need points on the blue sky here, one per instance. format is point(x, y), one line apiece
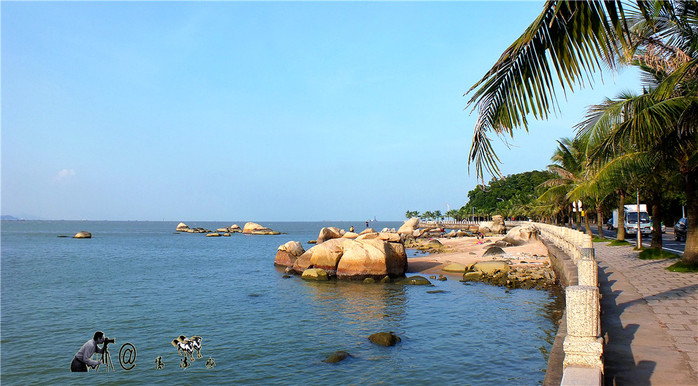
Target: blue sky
point(254, 111)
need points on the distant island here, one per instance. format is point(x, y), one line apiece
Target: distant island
point(10, 218)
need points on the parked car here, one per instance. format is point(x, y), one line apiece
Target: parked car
point(680, 229)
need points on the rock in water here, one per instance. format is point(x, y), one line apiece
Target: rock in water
point(325, 256)
point(371, 258)
point(182, 227)
point(384, 338)
point(315, 274)
point(337, 356)
point(83, 235)
point(256, 229)
point(287, 253)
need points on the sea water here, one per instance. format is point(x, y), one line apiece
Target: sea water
point(142, 283)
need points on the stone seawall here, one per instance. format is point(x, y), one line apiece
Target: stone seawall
point(566, 271)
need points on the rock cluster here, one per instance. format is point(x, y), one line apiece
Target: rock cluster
point(83, 235)
point(256, 229)
point(235, 228)
point(502, 274)
point(250, 229)
point(346, 255)
point(182, 227)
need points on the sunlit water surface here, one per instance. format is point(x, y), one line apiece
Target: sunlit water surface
point(141, 283)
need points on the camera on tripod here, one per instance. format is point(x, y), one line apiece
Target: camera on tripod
point(108, 340)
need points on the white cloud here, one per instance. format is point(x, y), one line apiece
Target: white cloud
point(63, 174)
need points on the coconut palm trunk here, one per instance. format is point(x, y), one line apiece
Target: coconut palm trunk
point(587, 225)
point(599, 220)
point(656, 223)
point(620, 236)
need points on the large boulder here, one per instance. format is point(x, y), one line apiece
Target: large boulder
point(234, 228)
point(256, 229)
point(521, 235)
point(350, 235)
point(329, 233)
point(182, 227)
point(409, 226)
point(325, 256)
point(484, 229)
point(83, 235)
point(498, 225)
point(372, 257)
point(288, 253)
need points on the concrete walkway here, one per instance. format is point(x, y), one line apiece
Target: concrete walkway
point(649, 320)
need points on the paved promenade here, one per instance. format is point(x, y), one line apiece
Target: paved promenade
point(649, 319)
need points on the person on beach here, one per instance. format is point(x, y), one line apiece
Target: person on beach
point(366, 224)
point(83, 357)
point(351, 228)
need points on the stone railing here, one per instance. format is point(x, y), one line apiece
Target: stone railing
point(583, 346)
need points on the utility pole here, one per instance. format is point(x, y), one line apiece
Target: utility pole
point(639, 234)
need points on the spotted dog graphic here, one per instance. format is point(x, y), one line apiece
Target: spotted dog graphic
point(186, 346)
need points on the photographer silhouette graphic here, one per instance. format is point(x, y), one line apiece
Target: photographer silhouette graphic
point(83, 357)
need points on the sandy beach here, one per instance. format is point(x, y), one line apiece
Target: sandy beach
point(467, 251)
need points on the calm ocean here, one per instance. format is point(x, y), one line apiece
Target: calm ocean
point(141, 283)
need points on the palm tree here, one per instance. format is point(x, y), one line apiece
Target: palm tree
point(569, 39)
point(569, 161)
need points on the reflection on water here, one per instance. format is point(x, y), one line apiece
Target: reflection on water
point(359, 303)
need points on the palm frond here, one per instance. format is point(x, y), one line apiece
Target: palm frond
point(568, 38)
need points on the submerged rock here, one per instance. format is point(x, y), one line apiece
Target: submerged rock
point(337, 356)
point(384, 338)
point(415, 280)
